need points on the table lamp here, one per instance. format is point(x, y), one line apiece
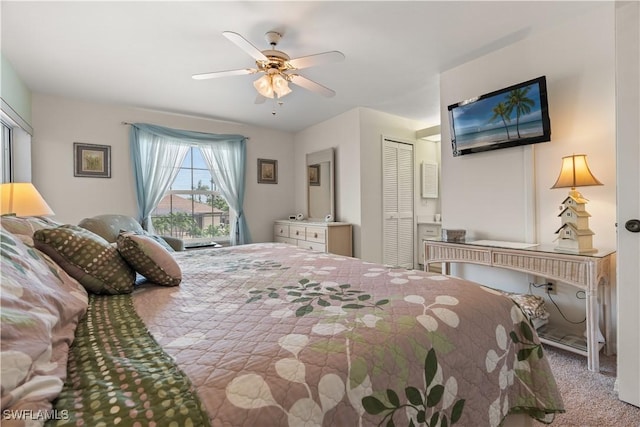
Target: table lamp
point(22, 199)
point(574, 235)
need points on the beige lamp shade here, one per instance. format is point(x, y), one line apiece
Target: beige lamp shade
point(575, 172)
point(22, 199)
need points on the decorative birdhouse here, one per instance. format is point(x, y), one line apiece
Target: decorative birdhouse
point(575, 201)
point(580, 219)
point(574, 235)
point(572, 239)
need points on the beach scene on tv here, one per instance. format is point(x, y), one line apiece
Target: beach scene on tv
point(501, 118)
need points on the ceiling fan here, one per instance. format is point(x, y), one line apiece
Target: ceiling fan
point(277, 67)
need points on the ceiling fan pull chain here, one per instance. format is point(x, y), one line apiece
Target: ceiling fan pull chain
point(277, 101)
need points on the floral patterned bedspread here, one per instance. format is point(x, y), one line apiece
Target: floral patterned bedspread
point(271, 334)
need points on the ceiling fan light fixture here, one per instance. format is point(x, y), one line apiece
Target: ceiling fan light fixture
point(280, 85)
point(272, 84)
point(263, 86)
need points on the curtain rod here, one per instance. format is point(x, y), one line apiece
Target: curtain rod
point(127, 123)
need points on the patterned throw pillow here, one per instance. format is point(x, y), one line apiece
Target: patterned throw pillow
point(88, 258)
point(155, 237)
point(149, 258)
point(532, 305)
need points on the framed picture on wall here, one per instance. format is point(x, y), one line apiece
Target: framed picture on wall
point(314, 175)
point(267, 171)
point(91, 160)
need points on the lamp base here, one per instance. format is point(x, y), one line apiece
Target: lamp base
point(573, 243)
point(574, 236)
point(576, 194)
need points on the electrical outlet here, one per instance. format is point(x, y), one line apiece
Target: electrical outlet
point(551, 288)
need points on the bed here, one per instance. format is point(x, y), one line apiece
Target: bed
point(271, 334)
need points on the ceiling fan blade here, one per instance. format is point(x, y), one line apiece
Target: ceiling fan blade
point(228, 73)
point(317, 59)
point(245, 45)
point(305, 83)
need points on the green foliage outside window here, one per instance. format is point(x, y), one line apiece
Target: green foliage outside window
point(195, 214)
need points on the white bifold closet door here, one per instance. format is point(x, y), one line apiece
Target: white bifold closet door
point(397, 203)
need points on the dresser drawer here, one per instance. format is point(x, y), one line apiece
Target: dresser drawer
point(312, 245)
point(297, 232)
point(280, 230)
point(428, 231)
point(316, 234)
point(288, 240)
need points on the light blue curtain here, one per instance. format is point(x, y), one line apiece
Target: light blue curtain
point(226, 159)
point(156, 162)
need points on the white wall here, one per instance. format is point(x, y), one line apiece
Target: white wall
point(489, 194)
point(357, 137)
point(59, 122)
point(343, 134)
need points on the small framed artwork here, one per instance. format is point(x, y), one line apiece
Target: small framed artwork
point(314, 175)
point(267, 171)
point(91, 160)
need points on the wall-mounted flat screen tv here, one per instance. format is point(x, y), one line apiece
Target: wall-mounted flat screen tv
point(515, 115)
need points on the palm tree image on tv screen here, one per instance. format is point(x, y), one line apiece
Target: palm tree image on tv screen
point(513, 116)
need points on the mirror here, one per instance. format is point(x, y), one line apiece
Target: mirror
point(320, 183)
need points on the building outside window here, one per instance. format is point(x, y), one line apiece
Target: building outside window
point(192, 209)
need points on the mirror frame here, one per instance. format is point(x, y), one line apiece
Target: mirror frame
point(315, 158)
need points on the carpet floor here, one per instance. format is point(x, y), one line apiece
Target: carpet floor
point(589, 397)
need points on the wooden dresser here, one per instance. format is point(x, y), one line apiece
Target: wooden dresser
point(333, 237)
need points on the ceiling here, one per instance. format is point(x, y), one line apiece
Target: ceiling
point(143, 54)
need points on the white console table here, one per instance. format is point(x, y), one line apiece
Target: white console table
point(586, 271)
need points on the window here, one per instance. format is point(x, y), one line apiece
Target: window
point(192, 209)
point(5, 153)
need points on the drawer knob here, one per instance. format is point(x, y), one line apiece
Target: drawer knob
point(315, 235)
